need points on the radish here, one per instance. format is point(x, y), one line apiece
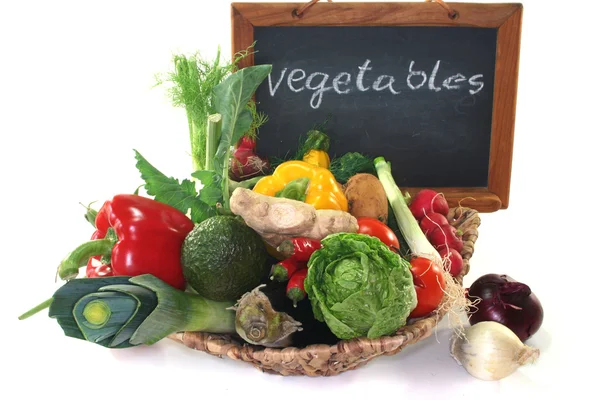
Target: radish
point(453, 261)
point(432, 221)
point(427, 201)
point(446, 236)
point(245, 163)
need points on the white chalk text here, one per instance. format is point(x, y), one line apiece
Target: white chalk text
point(363, 80)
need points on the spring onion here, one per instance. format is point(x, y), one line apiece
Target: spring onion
point(409, 226)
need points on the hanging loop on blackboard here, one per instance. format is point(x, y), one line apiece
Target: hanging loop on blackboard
point(452, 13)
point(297, 13)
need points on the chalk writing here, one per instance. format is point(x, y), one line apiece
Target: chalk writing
point(343, 84)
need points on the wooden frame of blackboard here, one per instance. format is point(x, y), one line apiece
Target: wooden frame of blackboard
point(507, 18)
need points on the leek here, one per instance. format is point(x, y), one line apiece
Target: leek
point(409, 226)
point(120, 312)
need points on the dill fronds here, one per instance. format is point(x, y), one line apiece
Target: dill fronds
point(191, 85)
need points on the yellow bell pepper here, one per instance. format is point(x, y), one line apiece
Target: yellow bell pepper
point(324, 192)
point(320, 158)
point(316, 149)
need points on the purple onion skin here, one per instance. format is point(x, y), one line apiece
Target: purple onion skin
point(508, 302)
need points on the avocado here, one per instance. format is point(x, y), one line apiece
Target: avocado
point(222, 258)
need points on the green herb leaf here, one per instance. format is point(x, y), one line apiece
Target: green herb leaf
point(211, 191)
point(350, 164)
point(181, 195)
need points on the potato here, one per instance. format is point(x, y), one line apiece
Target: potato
point(366, 197)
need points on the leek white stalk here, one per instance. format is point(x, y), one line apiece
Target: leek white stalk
point(409, 226)
point(490, 351)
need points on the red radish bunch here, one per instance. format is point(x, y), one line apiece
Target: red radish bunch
point(245, 163)
point(430, 209)
point(428, 201)
point(432, 222)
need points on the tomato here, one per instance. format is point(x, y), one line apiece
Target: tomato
point(429, 285)
point(376, 228)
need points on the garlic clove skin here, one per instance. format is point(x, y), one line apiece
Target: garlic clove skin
point(490, 351)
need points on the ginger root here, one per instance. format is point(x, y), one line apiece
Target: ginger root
point(277, 219)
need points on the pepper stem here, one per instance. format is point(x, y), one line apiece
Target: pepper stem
point(286, 248)
point(279, 273)
point(317, 140)
point(247, 184)
point(69, 266)
point(296, 295)
point(295, 190)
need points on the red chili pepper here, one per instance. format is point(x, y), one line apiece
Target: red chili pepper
point(300, 248)
point(140, 235)
point(283, 270)
point(295, 287)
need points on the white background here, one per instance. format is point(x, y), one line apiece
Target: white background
point(76, 97)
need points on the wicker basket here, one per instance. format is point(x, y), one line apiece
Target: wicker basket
point(327, 360)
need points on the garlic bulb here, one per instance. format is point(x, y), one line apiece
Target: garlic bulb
point(490, 351)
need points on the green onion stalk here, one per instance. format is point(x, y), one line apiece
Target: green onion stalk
point(409, 226)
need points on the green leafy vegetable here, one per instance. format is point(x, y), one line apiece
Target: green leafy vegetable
point(359, 287)
point(232, 97)
point(233, 119)
point(182, 195)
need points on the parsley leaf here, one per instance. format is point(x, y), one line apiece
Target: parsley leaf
point(181, 195)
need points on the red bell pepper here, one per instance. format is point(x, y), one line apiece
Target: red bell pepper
point(134, 235)
point(98, 266)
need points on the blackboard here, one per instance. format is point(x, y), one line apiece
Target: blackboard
point(422, 97)
point(452, 130)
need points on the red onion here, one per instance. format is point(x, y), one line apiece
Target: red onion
point(506, 301)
